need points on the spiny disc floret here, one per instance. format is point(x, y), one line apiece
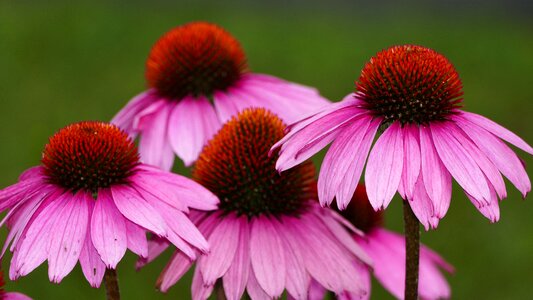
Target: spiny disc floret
point(89, 156)
point(195, 59)
point(410, 84)
point(235, 165)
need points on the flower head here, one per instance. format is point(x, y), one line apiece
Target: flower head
point(198, 79)
point(413, 94)
point(269, 234)
point(90, 200)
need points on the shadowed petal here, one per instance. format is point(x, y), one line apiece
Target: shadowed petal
point(153, 145)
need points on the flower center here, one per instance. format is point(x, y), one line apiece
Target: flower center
point(410, 84)
point(360, 213)
point(194, 59)
point(89, 156)
point(235, 166)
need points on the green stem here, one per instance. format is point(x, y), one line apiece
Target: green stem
point(412, 250)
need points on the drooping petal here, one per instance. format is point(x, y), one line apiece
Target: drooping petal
point(384, 167)
point(411, 159)
point(500, 154)
point(491, 210)
point(137, 242)
point(236, 278)
point(68, 236)
point(124, 118)
point(108, 230)
point(498, 130)
point(459, 162)
point(156, 246)
point(153, 145)
point(137, 210)
point(267, 256)
point(192, 123)
point(254, 289)
point(92, 266)
point(437, 180)
point(424, 208)
point(178, 265)
point(345, 149)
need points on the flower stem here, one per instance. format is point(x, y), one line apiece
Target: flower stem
point(412, 249)
point(111, 285)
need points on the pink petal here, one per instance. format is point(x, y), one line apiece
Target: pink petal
point(267, 256)
point(254, 289)
point(154, 190)
point(226, 105)
point(156, 246)
point(68, 236)
point(424, 208)
point(491, 210)
point(32, 173)
point(137, 210)
point(411, 160)
point(384, 167)
point(92, 266)
point(192, 123)
point(137, 239)
point(178, 265)
point(459, 162)
point(235, 279)
point(15, 296)
point(223, 241)
point(124, 118)
point(499, 153)
point(344, 152)
point(200, 290)
point(498, 130)
point(32, 249)
point(108, 230)
point(153, 145)
point(437, 179)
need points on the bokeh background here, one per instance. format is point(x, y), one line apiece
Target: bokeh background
point(62, 62)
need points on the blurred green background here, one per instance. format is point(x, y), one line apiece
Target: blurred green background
point(62, 62)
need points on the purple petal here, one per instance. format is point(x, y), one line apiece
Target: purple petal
point(498, 130)
point(424, 208)
point(235, 279)
point(153, 145)
point(156, 246)
point(491, 210)
point(124, 118)
point(226, 105)
point(68, 236)
point(199, 289)
point(92, 266)
point(459, 162)
point(192, 123)
point(136, 209)
point(137, 239)
point(255, 291)
point(108, 230)
point(499, 153)
point(267, 257)
point(344, 152)
point(384, 167)
point(437, 180)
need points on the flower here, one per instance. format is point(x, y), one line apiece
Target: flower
point(90, 200)
point(387, 251)
point(10, 295)
point(198, 78)
point(413, 94)
point(269, 234)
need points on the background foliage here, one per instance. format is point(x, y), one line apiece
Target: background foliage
point(62, 62)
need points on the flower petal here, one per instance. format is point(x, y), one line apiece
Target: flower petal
point(411, 159)
point(137, 242)
point(124, 118)
point(92, 266)
point(178, 265)
point(236, 278)
point(153, 145)
point(384, 167)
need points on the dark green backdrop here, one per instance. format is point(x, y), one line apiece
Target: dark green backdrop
point(62, 63)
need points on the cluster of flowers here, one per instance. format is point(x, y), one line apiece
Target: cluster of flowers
point(253, 216)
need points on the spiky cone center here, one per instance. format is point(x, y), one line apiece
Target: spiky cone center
point(410, 84)
point(89, 156)
point(360, 212)
point(195, 59)
point(236, 166)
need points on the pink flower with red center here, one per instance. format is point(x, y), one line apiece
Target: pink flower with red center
point(269, 233)
point(90, 200)
point(387, 251)
point(413, 94)
point(198, 78)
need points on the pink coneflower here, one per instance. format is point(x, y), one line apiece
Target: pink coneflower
point(387, 251)
point(90, 200)
point(269, 233)
point(198, 78)
point(413, 94)
point(10, 295)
